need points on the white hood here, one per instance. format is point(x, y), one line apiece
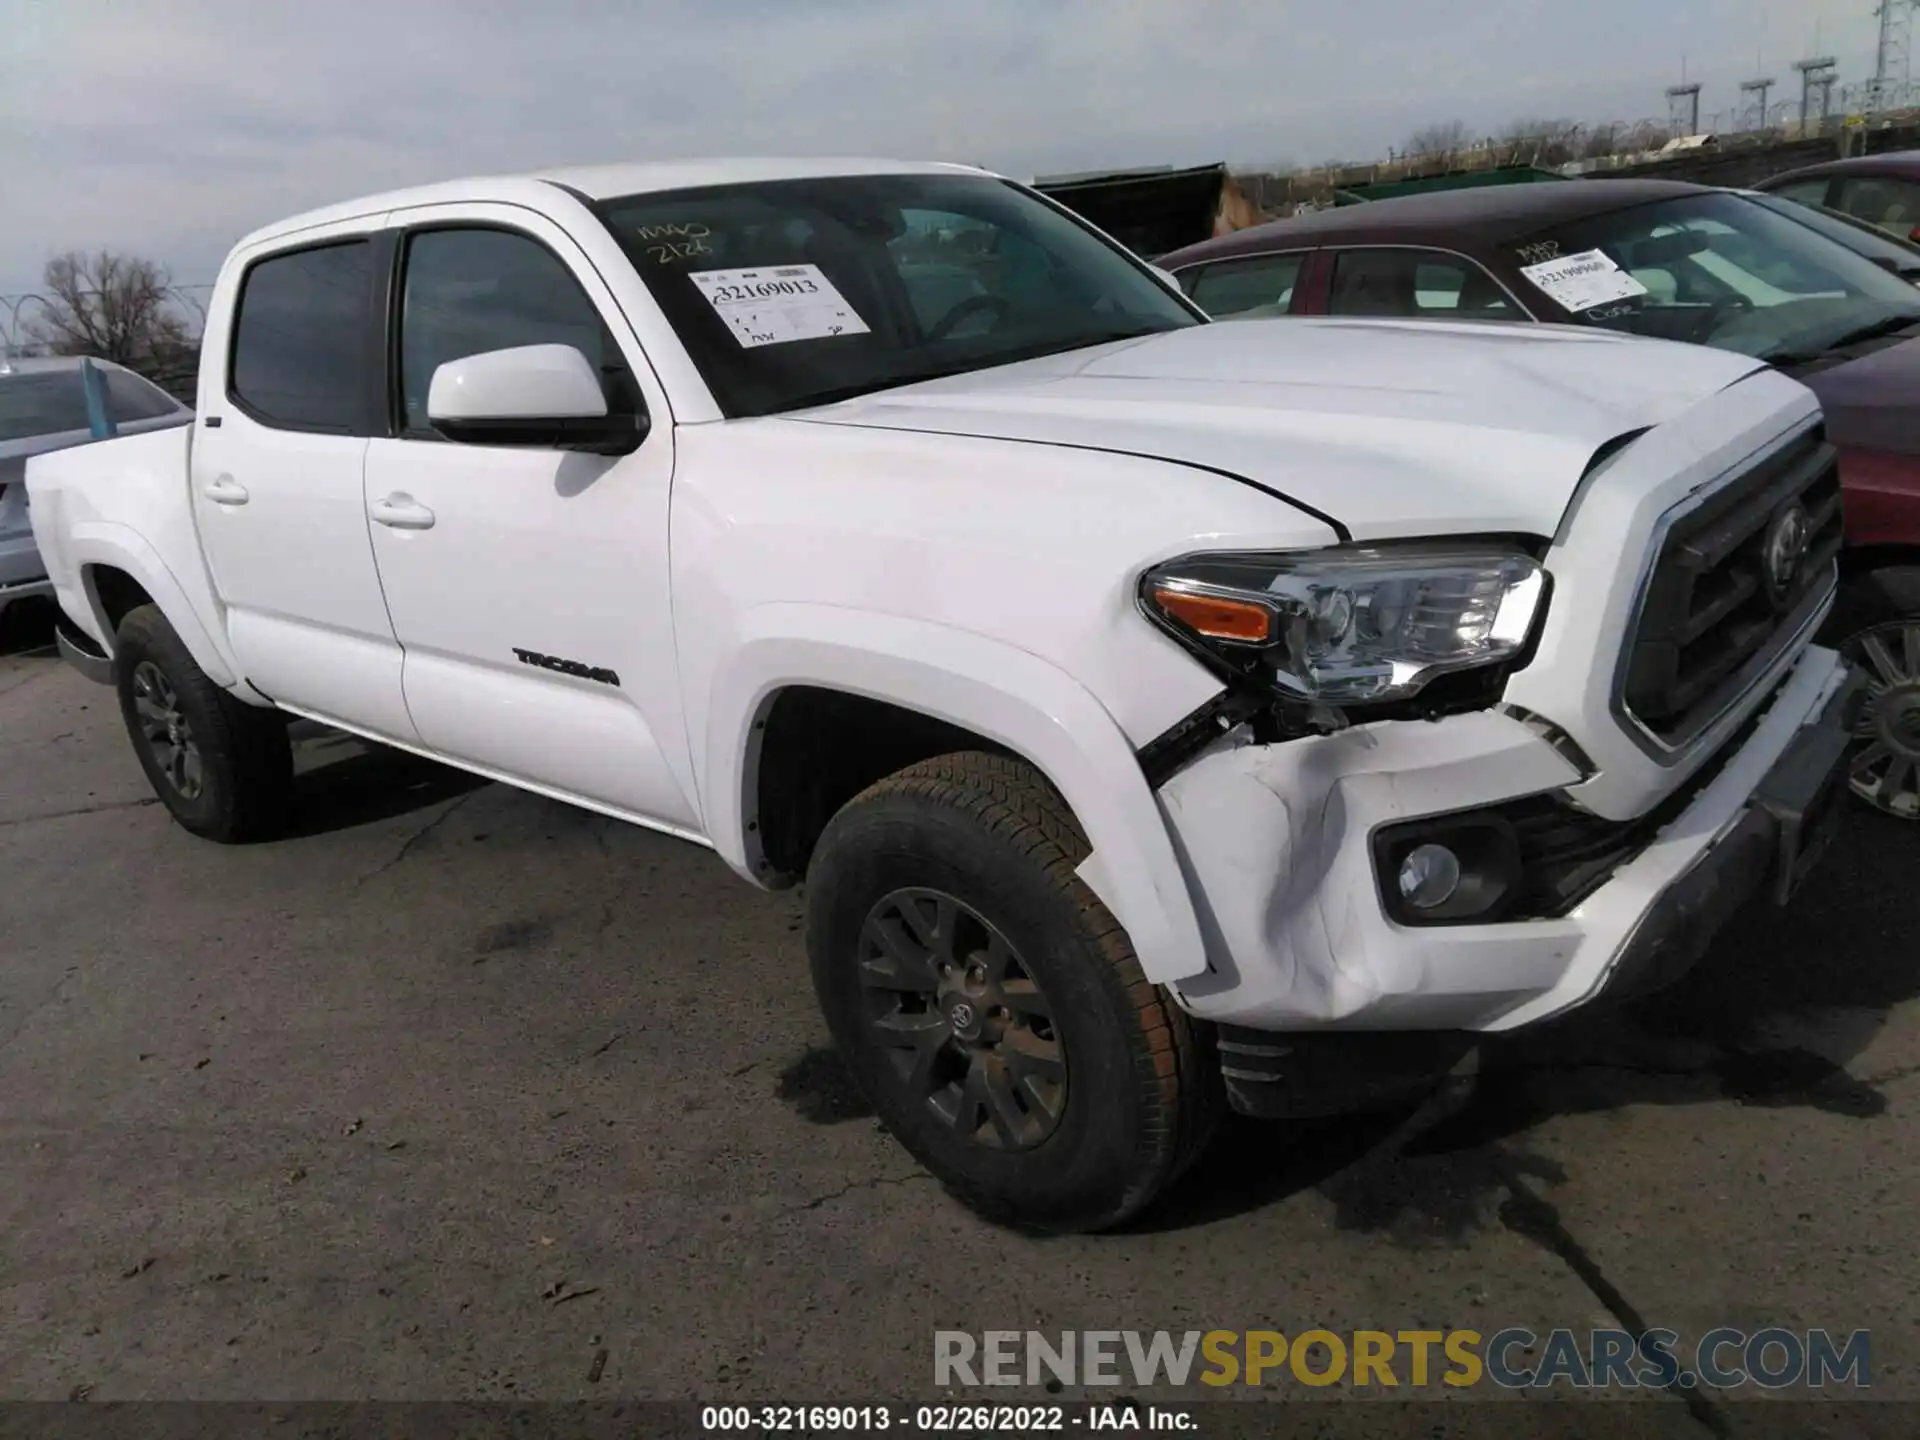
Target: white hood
point(1388, 427)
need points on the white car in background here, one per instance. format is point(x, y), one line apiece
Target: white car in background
point(43, 407)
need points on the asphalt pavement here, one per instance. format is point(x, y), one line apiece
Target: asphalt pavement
point(461, 1093)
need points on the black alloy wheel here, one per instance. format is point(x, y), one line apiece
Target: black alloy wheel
point(222, 768)
point(966, 1028)
point(167, 731)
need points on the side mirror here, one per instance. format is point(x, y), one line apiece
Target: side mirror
point(540, 395)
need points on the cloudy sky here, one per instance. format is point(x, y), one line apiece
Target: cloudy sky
point(169, 127)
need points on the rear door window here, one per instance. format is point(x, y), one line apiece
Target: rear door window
point(1804, 192)
point(1259, 284)
point(1413, 283)
point(1893, 205)
point(300, 339)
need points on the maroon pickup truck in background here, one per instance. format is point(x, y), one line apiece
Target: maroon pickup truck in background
point(1680, 262)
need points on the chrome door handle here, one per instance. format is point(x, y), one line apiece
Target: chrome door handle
point(401, 512)
point(225, 490)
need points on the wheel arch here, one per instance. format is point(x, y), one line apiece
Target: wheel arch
point(119, 569)
point(983, 693)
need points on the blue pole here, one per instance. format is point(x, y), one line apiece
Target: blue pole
point(98, 420)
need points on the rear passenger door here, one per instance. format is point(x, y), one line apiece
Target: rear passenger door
point(1249, 286)
point(287, 402)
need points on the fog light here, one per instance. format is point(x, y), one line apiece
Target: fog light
point(1429, 876)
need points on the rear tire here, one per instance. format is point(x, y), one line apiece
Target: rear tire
point(224, 770)
point(1070, 1091)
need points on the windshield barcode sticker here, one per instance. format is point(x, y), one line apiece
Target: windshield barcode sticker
point(776, 305)
point(1580, 282)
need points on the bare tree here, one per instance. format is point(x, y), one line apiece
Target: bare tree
point(1444, 143)
point(113, 306)
point(1538, 142)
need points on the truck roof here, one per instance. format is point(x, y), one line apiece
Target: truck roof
point(601, 182)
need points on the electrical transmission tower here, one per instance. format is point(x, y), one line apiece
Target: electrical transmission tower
point(1816, 90)
point(1892, 64)
point(1683, 108)
point(1756, 118)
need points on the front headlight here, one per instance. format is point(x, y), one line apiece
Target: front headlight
point(1353, 625)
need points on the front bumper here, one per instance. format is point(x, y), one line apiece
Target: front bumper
point(1765, 854)
point(1276, 842)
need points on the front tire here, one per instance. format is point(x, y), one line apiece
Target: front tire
point(224, 770)
point(1876, 624)
point(992, 1009)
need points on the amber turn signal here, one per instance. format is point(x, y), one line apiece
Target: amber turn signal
point(1217, 617)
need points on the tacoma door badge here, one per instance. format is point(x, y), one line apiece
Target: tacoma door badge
point(566, 667)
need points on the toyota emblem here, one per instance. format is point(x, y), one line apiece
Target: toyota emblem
point(1786, 550)
point(961, 1015)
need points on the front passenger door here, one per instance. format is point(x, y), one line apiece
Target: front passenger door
point(528, 586)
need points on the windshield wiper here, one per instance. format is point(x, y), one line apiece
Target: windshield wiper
point(1873, 330)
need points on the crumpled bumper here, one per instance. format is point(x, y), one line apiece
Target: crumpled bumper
point(1276, 844)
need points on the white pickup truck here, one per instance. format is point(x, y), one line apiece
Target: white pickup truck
point(1162, 715)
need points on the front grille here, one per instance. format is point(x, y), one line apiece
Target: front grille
point(1714, 613)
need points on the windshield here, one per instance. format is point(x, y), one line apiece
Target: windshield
point(800, 292)
point(1721, 270)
